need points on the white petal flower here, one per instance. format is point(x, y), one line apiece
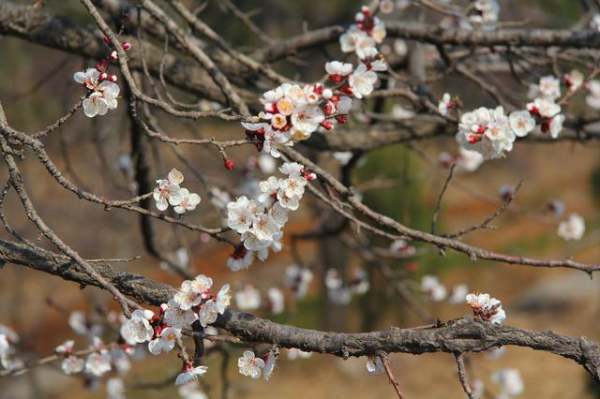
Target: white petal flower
point(338, 68)
point(549, 87)
point(240, 214)
point(189, 201)
point(95, 104)
point(192, 292)
point(264, 227)
point(270, 363)
point(308, 118)
point(556, 125)
point(190, 374)
point(486, 308)
point(521, 123)
point(248, 298)
point(544, 107)
point(72, 365)
point(510, 381)
point(444, 104)
point(375, 365)
point(223, 299)
point(250, 365)
point(5, 348)
point(191, 390)
point(276, 300)
point(573, 228)
point(98, 364)
point(62, 349)
point(458, 294)
point(165, 342)
point(469, 161)
point(137, 329)
point(432, 286)
point(292, 169)
point(89, 78)
point(298, 280)
point(176, 317)
point(295, 353)
point(209, 312)
point(110, 92)
point(115, 388)
point(362, 81)
point(486, 131)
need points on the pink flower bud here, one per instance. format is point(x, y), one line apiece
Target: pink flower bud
point(114, 56)
point(103, 76)
point(126, 46)
point(113, 78)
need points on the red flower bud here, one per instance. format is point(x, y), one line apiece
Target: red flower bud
point(126, 46)
point(113, 78)
point(341, 119)
point(229, 164)
point(327, 124)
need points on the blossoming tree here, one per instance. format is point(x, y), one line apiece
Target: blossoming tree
point(381, 88)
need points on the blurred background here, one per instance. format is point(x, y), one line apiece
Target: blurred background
point(36, 87)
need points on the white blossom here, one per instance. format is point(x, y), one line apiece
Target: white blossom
point(308, 118)
point(90, 78)
point(458, 294)
point(338, 68)
point(192, 292)
point(223, 299)
point(98, 364)
point(593, 97)
point(191, 390)
point(549, 87)
point(298, 280)
point(485, 12)
point(544, 107)
point(486, 308)
point(521, 123)
point(573, 228)
point(167, 190)
point(574, 79)
point(165, 342)
point(250, 366)
point(241, 261)
point(103, 99)
point(295, 353)
point(510, 382)
point(62, 349)
point(362, 81)
point(486, 131)
point(176, 317)
point(240, 214)
point(468, 161)
point(445, 104)
point(209, 312)
point(190, 374)
point(375, 365)
point(188, 202)
point(270, 363)
point(248, 298)
point(137, 329)
point(115, 388)
point(432, 287)
point(276, 300)
point(72, 365)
